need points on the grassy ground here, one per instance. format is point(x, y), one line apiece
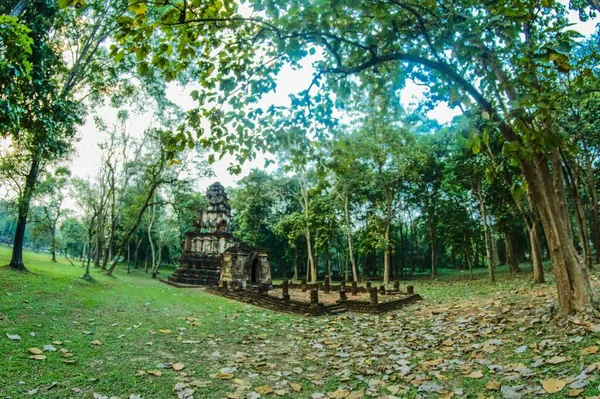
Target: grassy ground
point(463, 335)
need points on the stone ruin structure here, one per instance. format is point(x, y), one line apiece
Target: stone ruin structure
point(245, 266)
point(211, 256)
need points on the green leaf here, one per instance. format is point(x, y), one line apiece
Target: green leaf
point(65, 3)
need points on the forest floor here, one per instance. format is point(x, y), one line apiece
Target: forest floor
point(134, 337)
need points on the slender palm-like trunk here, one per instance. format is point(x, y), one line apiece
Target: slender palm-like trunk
point(536, 253)
point(349, 238)
point(295, 262)
point(311, 260)
point(511, 255)
point(467, 251)
point(327, 259)
point(53, 244)
point(149, 231)
point(387, 254)
point(489, 251)
point(533, 224)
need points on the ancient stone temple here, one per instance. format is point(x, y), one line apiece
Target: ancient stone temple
point(210, 254)
point(200, 262)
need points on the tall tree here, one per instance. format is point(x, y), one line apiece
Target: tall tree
point(45, 126)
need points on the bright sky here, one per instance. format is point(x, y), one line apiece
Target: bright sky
point(87, 158)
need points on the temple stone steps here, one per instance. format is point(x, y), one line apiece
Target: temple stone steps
point(336, 309)
point(190, 276)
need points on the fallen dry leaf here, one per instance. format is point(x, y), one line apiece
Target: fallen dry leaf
point(356, 394)
point(556, 360)
point(590, 350)
point(295, 387)
point(475, 374)
point(156, 373)
point(178, 366)
point(431, 363)
point(553, 385)
point(38, 357)
point(493, 385)
point(264, 390)
point(394, 389)
point(35, 351)
point(339, 394)
point(574, 392)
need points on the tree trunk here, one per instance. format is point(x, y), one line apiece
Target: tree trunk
point(99, 238)
point(349, 238)
point(19, 8)
point(387, 267)
point(136, 255)
point(83, 254)
point(575, 293)
point(346, 268)
point(494, 243)
point(432, 234)
point(536, 253)
point(572, 182)
point(534, 241)
point(307, 268)
point(312, 269)
point(146, 261)
point(16, 261)
point(159, 260)
point(149, 231)
point(511, 255)
point(327, 259)
point(434, 272)
point(466, 247)
point(89, 251)
point(311, 260)
point(595, 222)
point(53, 244)
point(487, 234)
point(296, 262)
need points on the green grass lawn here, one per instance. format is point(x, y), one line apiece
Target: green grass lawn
point(115, 330)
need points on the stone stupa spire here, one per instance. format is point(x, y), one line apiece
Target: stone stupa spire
point(216, 216)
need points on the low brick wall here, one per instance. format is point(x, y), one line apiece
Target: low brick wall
point(321, 287)
point(304, 308)
point(292, 306)
point(382, 307)
point(337, 288)
point(179, 285)
point(269, 302)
